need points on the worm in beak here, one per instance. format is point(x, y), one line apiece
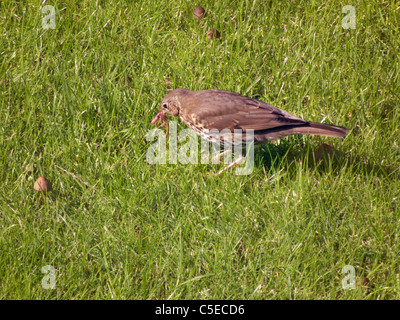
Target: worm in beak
point(163, 119)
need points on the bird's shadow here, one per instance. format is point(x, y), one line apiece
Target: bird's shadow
point(322, 158)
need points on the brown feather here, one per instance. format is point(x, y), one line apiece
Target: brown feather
point(220, 109)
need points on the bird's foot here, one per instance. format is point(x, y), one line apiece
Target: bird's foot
point(217, 159)
point(234, 163)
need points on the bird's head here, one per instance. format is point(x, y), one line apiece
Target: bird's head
point(171, 103)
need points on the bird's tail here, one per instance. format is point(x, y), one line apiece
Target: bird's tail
point(321, 130)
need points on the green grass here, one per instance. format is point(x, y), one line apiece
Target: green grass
point(77, 101)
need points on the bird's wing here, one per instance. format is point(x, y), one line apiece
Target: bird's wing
point(226, 110)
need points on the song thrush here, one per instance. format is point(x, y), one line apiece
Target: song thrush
point(213, 113)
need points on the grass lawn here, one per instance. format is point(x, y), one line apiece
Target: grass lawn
point(76, 103)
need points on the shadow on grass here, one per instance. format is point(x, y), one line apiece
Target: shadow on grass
point(323, 158)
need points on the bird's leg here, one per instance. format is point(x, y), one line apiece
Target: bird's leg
point(237, 161)
point(163, 119)
point(217, 158)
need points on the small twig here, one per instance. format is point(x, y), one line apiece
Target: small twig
point(73, 175)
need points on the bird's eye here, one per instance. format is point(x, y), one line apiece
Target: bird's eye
point(165, 106)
